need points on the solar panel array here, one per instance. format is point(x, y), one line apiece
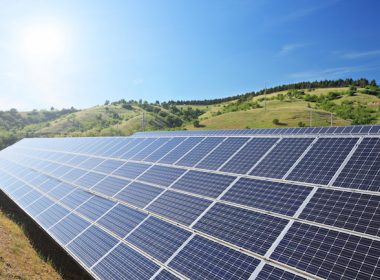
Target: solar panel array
point(299, 203)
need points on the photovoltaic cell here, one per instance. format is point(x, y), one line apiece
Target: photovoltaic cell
point(125, 263)
point(108, 166)
point(150, 149)
point(269, 272)
point(253, 231)
point(131, 170)
point(89, 180)
point(320, 164)
point(110, 185)
point(203, 183)
point(68, 228)
point(181, 149)
point(244, 160)
point(363, 169)
point(205, 259)
point(179, 207)
point(158, 238)
point(163, 150)
point(353, 211)
point(121, 219)
point(329, 254)
point(52, 215)
point(161, 175)
point(83, 246)
point(38, 206)
point(271, 196)
point(282, 157)
point(225, 150)
point(95, 207)
point(166, 275)
point(76, 198)
point(142, 144)
point(196, 154)
point(138, 194)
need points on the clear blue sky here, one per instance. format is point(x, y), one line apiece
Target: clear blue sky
point(80, 53)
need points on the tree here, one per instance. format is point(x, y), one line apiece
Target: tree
point(196, 123)
point(107, 103)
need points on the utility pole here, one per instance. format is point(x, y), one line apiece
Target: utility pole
point(265, 97)
point(311, 117)
point(143, 121)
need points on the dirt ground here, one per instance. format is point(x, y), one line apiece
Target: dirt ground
point(18, 259)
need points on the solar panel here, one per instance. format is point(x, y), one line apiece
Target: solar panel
point(207, 184)
point(329, 254)
point(247, 229)
point(323, 160)
point(225, 150)
point(205, 259)
point(363, 169)
point(245, 159)
point(289, 203)
point(158, 238)
point(282, 157)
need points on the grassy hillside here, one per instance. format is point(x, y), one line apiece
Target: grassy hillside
point(289, 111)
point(285, 108)
point(18, 259)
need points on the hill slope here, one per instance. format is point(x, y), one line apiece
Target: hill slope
point(286, 108)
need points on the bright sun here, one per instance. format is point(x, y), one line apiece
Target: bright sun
point(43, 43)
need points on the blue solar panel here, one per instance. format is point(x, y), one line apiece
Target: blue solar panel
point(205, 259)
point(52, 215)
point(131, 170)
point(110, 185)
point(163, 150)
point(150, 149)
point(353, 211)
point(225, 150)
point(253, 231)
point(83, 245)
point(127, 218)
point(271, 196)
point(125, 263)
point(323, 160)
point(362, 170)
point(162, 175)
point(207, 184)
point(76, 198)
point(121, 220)
point(179, 207)
point(108, 166)
point(269, 272)
point(244, 160)
point(329, 254)
point(142, 144)
point(158, 238)
point(138, 194)
point(181, 149)
point(166, 275)
point(68, 228)
point(95, 207)
point(282, 157)
point(89, 180)
point(196, 154)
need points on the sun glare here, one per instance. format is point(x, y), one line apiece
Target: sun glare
point(43, 42)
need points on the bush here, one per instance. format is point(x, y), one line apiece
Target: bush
point(196, 123)
point(301, 124)
point(276, 121)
